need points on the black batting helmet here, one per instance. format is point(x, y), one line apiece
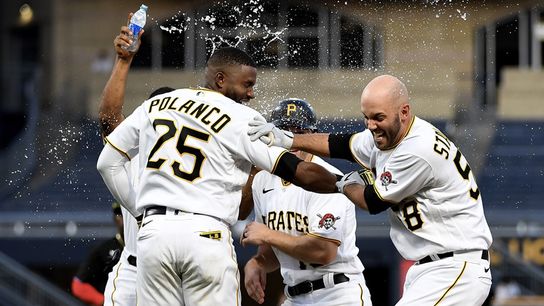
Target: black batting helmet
point(294, 113)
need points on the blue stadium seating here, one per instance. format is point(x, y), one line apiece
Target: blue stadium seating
point(513, 176)
point(75, 189)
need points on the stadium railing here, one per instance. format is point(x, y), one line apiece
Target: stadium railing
point(528, 276)
point(19, 286)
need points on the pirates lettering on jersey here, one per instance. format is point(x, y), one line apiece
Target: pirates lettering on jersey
point(211, 116)
point(286, 221)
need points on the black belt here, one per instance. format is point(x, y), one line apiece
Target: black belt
point(158, 210)
point(309, 286)
point(161, 210)
point(132, 260)
point(426, 259)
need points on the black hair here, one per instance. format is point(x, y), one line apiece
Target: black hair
point(160, 91)
point(230, 56)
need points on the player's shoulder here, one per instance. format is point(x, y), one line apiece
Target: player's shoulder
point(262, 177)
point(362, 141)
point(421, 135)
point(186, 98)
point(423, 142)
point(156, 99)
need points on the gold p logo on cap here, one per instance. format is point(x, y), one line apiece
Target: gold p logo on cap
point(291, 108)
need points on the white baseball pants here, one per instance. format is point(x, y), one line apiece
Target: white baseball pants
point(463, 279)
point(186, 259)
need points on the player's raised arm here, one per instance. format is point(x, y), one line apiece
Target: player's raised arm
point(121, 146)
point(113, 96)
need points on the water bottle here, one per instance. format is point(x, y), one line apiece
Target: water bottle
point(137, 22)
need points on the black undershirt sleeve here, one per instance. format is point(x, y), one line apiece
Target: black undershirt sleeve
point(373, 202)
point(287, 166)
point(339, 146)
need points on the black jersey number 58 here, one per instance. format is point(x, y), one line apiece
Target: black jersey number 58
point(181, 147)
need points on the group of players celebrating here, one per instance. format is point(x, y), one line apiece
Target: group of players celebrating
point(189, 170)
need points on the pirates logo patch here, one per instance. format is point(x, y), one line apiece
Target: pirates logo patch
point(387, 178)
point(327, 221)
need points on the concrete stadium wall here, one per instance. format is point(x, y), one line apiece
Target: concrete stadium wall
point(332, 93)
point(430, 47)
point(521, 95)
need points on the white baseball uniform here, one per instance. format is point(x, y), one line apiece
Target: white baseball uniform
point(436, 209)
point(121, 286)
point(285, 207)
point(195, 156)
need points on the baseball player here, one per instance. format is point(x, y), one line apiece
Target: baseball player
point(195, 156)
point(312, 235)
point(425, 184)
point(121, 285)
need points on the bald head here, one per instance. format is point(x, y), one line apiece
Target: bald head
point(385, 105)
point(385, 89)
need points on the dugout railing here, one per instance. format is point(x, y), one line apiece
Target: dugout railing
point(19, 286)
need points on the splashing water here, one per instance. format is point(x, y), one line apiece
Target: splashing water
point(215, 27)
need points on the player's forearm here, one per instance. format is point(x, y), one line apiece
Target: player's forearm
point(356, 194)
point(113, 97)
point(317, 144)
point(314, 177)
point(111, 165)
point(264, 259)
point(304, 248)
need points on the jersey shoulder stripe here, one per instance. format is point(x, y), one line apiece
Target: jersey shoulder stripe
point(338, 242)
point(117, 148)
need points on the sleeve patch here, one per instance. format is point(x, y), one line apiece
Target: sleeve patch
point(327, 221)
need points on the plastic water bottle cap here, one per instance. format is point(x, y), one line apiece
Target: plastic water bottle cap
point(143, 7)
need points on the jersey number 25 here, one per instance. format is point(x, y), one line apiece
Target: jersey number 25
point(181, 147)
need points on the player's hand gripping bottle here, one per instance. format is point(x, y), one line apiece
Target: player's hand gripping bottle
point(137, 23)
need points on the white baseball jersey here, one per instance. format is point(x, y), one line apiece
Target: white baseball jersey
point(195, 154)
point(287, 208)
point(439, 205)
point(120, 288)
point(130, 225)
